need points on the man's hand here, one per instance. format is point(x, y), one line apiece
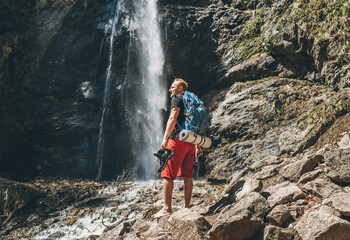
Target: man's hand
point(164, 144)
point(198, 150)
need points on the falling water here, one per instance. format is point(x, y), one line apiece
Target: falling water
point(141, 92)
point(100, 144)
point(148, 115)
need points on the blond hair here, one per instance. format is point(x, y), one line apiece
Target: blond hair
point(182, 83)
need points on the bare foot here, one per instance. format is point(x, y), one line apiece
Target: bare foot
point(161, 213)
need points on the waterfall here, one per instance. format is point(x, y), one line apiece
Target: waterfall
point(141, 91)
point(151, 58)
point(100, 144)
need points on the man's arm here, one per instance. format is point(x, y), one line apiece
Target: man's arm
point(170, 125)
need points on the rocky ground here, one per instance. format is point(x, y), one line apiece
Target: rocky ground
point(75, 209)
point(278, 169)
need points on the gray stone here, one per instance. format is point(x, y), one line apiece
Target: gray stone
point(141, 225)
point(231, 188)
point(338, 165)
point(187, 224)
point(250, 185)
point(321, 187)
point(275, 233)
point(279, 215)
point(267, 161)
point(290, 138)
point(309, 176)
point(118, 231)
point(322, 225)
point(294, 170)
point(345, 141)
point(154, 232)
point(266, 172)
point(341, 202)
point(283, 193)
point(241, 220)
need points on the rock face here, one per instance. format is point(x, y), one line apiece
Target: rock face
point(54, 56)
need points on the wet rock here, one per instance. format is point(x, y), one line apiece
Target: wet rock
point(188, 224)
point(283, 193)
point(279, 215)
point(241, 220)
point(341, 202)
point(321, 187)
point(338, 165)
point(275, 233)
point(294, 170)
point(322, 224)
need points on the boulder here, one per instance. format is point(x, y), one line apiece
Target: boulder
point(236, 190)
point(187, 224)
point(275, 233)
point(154, 232)
point(345, 141)
point(267, 161)
point(241, 220)
point(266, 172)
point(283, 193)
point(141, 225)
point(250, 185)
point(338, 165)
point(118, 231)
point(294, 170)
point(322, 225)
point(279, 215)
point(232, 187)
point(321, 187)
point(309, 176)
point(341, 202)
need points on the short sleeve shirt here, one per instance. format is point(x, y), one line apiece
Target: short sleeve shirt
point(177, 101)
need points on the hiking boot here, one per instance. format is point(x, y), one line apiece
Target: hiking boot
point(163, 155)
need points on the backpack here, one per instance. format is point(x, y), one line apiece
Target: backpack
point(196, 117)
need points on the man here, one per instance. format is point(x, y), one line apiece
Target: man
point(181, 163)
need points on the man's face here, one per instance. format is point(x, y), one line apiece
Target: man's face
point(175, 89)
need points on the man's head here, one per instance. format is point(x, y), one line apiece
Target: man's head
point(179, 85)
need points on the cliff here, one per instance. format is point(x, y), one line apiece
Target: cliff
point(273, 74)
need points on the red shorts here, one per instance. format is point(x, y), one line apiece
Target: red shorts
point(181, 164)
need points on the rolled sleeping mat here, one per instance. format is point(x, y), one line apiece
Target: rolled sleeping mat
point(190, 137)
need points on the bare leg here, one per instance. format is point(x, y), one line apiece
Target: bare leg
point(188, 186)
point(168, 186)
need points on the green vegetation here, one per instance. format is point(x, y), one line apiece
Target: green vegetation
point(258, 168)
point(325, 176)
